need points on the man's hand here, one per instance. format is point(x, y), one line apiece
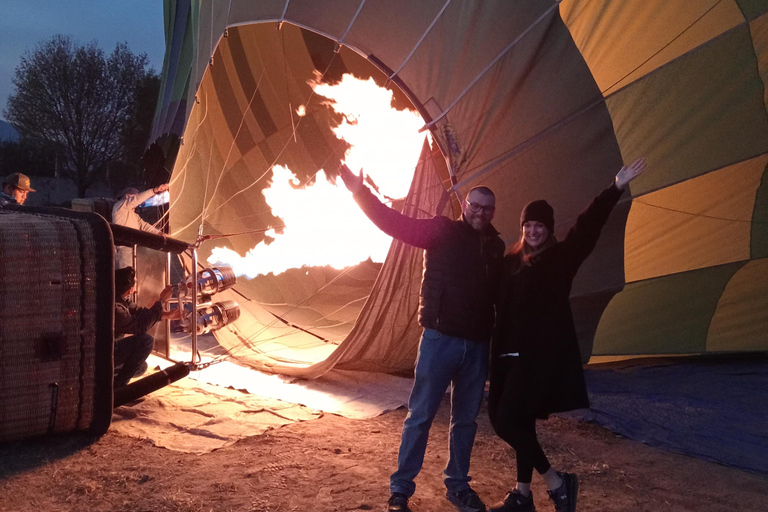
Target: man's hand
point(174, 314)
point(629, 172)
point(166, 294)
point(353, 182)
point(161, 188)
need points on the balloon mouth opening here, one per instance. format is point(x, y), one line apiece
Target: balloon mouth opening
point(305, 255)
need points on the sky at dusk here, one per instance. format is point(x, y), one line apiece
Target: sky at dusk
point(24, 23)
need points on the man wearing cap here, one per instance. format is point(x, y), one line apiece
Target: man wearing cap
point(15, 189)
point(124, 214)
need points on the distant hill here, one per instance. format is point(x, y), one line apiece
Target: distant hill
point(8, 132)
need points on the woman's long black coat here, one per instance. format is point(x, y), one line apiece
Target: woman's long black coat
point(534, 320)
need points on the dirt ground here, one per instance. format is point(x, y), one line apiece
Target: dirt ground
point(338, 464)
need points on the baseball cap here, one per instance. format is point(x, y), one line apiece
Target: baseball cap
point(19, 180)
point(128, 190)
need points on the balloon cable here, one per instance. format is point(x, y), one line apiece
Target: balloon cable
point(349, 27)
point(418, 43)
point(662, 48)
point(491, 64)
point(282, 150)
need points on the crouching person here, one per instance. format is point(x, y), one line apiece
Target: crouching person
point(132, 343)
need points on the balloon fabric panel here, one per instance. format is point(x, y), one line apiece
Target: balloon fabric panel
point(667, 315)
point(587, 86)
point(702, 222)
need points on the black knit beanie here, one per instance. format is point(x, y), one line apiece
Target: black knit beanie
point(540, 211)
point(124, 280)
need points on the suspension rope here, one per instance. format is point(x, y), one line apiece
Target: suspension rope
point(285, 10)
point(349, 27)
point(491, 64)
point(421, 40)
point(232, 145)
point(701, 215)
point(282, 150)
point(493, 164)
point(183, 170)
point(499, 159)
point(250, 340)
point(287, 90)
point(247, 342)
point(210, 43)
point(228, 235)
point(664, 47)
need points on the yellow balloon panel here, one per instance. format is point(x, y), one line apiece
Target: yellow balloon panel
point(699, 223)
point(644, 35)
point(740, 322)
point(702, 112)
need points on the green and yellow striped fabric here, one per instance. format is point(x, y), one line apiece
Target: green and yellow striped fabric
point(534, 99)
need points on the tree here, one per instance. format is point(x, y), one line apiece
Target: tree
point(22, 156)
point(82, 101)
point(130, 169)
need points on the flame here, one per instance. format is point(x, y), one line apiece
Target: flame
point(386, 143)
point(323, 224)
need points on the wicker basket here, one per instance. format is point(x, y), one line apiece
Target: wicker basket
point(56, 322)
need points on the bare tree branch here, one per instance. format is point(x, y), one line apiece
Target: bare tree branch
point(80, 99)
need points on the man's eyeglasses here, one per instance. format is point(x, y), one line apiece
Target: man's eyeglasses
point(476, 207)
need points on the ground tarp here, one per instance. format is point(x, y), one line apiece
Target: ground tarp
point(710, 408)
point(219, 405)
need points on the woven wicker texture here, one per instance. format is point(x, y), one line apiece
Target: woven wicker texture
point(47, 325)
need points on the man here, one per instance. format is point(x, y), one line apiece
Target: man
point(124, 213)
point(15, 189)
point(462, 265)
point(131, 351)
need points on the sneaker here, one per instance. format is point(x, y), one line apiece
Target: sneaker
point(466, 500)
point(398, 502)
point(141, 370)
point(515, 501)
point(564, 497)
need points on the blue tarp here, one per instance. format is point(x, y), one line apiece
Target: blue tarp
point(714, 408)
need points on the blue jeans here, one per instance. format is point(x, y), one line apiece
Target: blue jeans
point(442, 360)
point(131, 352)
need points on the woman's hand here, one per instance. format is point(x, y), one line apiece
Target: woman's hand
point(629, 172)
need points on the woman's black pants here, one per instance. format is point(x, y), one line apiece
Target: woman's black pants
point(513, 424)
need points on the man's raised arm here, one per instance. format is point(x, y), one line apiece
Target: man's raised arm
point(422, 233)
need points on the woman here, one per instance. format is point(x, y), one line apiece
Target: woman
point(535, 361)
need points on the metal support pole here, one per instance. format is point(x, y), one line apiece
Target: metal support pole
point(167, 322)
point(134, 264)
point(194, 304)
